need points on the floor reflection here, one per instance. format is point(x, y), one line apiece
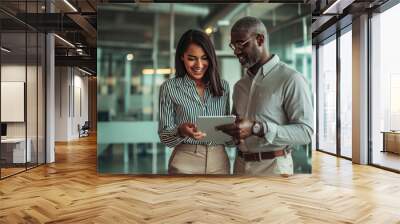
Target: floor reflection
point(386, 159)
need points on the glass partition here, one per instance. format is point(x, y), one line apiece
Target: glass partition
point(327, 96)
point(385, 89)
point(22, 89)
point(13, 104)
point(32, 97)
point(41, 97)
point(346, 94)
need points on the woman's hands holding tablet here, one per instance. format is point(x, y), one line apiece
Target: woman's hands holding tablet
point(190, 130)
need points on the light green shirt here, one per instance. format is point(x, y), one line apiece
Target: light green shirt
point(279, 97)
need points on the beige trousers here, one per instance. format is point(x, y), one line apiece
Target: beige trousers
point(282, 165)
point(199, 159)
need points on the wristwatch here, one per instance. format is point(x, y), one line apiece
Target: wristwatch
point(257, 128)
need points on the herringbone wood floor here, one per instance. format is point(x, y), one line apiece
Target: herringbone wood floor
point(70, 191)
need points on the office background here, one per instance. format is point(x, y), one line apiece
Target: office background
point(22, 78)
point(135, 55)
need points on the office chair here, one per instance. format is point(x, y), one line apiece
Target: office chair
point(84, 130)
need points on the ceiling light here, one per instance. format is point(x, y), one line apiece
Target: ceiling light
point(160, 71)
point(65, 41)
point(303, 50)
point(209, 30)
point(70, 5)
point(129, 57)
point(5, 49)
point(223, 23)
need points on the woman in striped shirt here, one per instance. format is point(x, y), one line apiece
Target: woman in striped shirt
point(196, 90)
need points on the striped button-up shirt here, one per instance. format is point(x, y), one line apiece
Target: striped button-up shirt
point(179, 103)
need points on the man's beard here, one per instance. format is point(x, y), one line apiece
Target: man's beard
point(249, 62)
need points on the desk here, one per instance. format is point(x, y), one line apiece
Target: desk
point(15, 148)
point(391, 141)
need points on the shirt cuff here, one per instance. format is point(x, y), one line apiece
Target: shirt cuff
point(179, 137)
point(265, 128)
point(270, 130)
point(171, 138)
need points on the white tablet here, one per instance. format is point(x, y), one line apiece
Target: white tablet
point(207, 125)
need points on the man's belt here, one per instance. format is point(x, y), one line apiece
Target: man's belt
point(258, 156)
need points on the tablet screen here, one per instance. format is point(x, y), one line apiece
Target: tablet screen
point(208, 124)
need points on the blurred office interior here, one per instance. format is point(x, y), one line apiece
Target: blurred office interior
point(136, 54)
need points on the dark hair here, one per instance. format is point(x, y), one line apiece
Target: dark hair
point(212, 75)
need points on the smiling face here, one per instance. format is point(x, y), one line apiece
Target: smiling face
point(195, 61)
point(249, 54)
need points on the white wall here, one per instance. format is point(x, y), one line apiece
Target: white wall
point(80, 89)
point(16, 73)
point(71, 94)
point(13, 72)
point(33, 126)
point(62, 81)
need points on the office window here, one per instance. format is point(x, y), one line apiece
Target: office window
point(346, 94)
point(327, 96)
point(385, 84)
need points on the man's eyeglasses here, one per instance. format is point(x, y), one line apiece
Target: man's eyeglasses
point(240, 45)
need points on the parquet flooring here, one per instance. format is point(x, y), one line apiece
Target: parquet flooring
point(71, 191)
point(9, 171)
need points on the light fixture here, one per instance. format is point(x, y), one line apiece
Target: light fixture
point(160, 71)
point(129, 57)
point(84, 71)
point(223, 23)
point(70, 5)
point(5, 50)
point(209, 30)
point(303, 50)
point(65, 41)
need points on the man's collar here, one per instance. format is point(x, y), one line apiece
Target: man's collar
point(267, 67)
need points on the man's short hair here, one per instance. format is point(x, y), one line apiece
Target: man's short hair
point(249, 24)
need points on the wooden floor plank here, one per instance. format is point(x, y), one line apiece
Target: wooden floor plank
point(71, 191)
